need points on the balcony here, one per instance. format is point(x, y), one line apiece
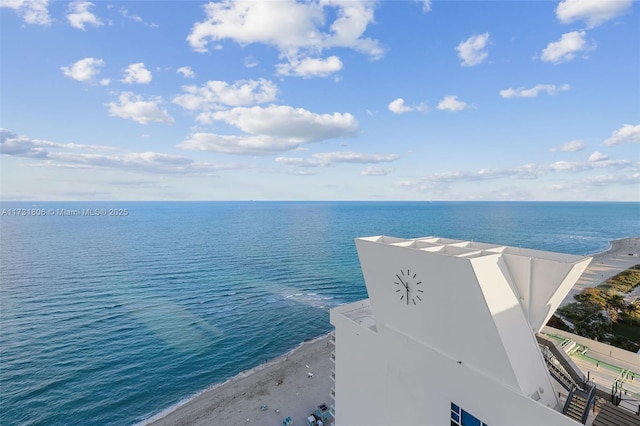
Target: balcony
point(333, 375)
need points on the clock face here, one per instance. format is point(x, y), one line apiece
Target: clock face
point(408, 287)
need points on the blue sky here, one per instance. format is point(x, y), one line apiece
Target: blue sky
point(320, 100)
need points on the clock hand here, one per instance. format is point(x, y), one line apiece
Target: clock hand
point(405, 285)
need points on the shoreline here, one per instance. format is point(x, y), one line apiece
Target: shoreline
point(284, 384)
point(621, 255)
point(240, 399)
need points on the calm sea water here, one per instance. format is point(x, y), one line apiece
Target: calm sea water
point(110, 319)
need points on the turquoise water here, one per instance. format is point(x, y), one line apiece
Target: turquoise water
point(110, 319)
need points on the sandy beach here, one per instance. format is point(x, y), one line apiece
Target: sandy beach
point(622, 255)
point(293, 384)
point(285, 386)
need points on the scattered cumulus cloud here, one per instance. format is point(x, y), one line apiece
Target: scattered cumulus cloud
point(451, 103)
point(473, 50)
point(78, 15)
point(310, 67)
point(136, 108)
point(137, 73)
point(34, 12)
point(627, 133)
point(22, 146)
point(571, 146)
point(299, 30)
point(566, 48)
point(215, 94)
point(186, 72)
point(598, 156)
point(526, 171)
point(53, 154)
point(271, 129)
point(522, 92)
point(84, 69)
point(594, 12)
point(398, 106)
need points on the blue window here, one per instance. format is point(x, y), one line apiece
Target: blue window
point(460, 417)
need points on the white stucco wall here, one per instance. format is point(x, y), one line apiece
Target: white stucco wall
point(469, 338)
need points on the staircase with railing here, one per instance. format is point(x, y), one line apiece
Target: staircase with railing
point(581, 395)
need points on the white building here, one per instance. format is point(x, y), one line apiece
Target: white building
point(447, 335)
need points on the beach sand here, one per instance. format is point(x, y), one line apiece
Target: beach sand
point(622, 255)
point(284, 383)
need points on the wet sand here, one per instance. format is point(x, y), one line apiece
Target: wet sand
point(283, 384)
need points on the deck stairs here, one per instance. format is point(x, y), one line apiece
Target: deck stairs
point(577, 405)
point(610, 415)
point(581, 395)
point(557, 370)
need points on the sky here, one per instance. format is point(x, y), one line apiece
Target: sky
point(320, 100)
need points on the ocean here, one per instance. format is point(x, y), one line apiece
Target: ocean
point(110, 312)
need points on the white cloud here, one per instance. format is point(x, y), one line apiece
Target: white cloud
point(451, 103)
point(250, 62)
point(426, 5)
point(598, 182)
point(571, 146)
point(54, 154)
point(376, 171)
point(598, 156)
point(594, 12)
point(627, 133)
point(398, 106)
point(78, 15)
point(272, 129)
point(31, 11)
point(19, 145)
point(186, 72)
point(84, 70)
point(327, 158)
point(105, 82)
point(473, 51)
point(134, 107)
point(527, 171)
point(310, 67)
point(355, 157)
point(299, 30)
point(566, 48)
point(214, 94)
point(521, 92)
point(287, 122)
point(126, 14)
point(137, 73)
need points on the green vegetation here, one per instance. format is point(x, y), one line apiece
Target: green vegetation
point(602, 313)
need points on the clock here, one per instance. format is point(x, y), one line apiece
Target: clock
point(408, 287)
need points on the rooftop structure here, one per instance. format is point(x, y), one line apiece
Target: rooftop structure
point(448, 334)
